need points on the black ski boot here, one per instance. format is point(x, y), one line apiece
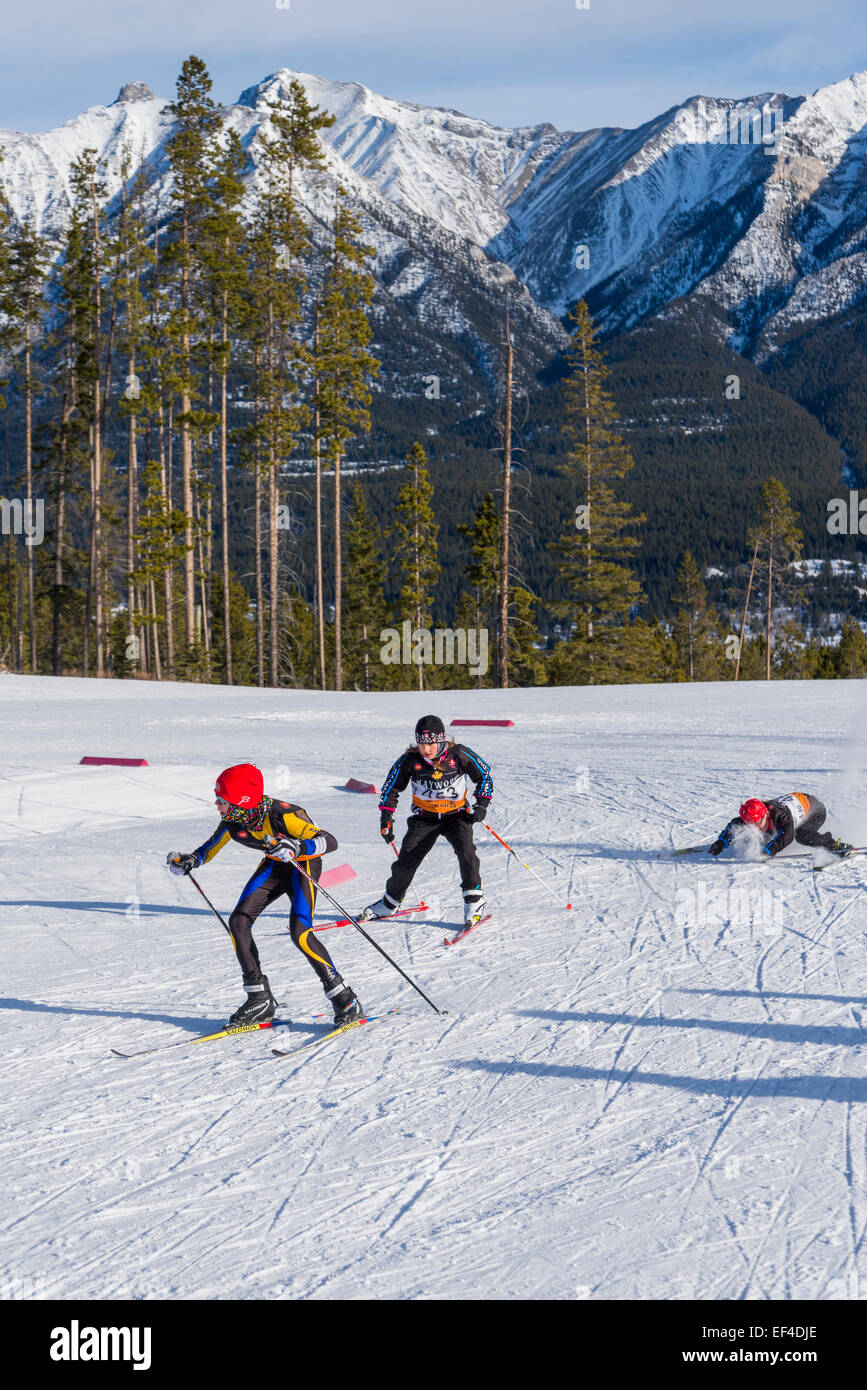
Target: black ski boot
point(346, 1006)
point(259, 1005)
point(840, 847)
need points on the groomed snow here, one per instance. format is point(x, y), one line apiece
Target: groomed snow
point(661, 1094)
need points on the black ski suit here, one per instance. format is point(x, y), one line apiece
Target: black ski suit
point(440, 806)
point(273, 879)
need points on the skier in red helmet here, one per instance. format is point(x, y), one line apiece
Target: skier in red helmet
point(782, 819)
point(287, 836)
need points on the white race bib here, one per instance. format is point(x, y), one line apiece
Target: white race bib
point(795, 806)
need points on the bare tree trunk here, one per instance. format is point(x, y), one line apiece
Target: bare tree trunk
point(260, 616)
point(155, 629)
point(96, 552)
point(507, 513)
point(20, 658)
point(131, 499)
point(60, 531)
point(187, 449)
point(28, 462)
point(320, 598)
point(203, 572)
point(11, 566)
point(168, 577)
point(746, 605)
point(224, 503)
point(338, 581)
point(272, 571)
point(770, 600)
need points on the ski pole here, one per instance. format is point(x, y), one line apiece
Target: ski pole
point(526, 866)
point(414, 893)
point(214, 910)
point(367, 937)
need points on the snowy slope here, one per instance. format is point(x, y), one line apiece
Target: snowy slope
point(660, 1094)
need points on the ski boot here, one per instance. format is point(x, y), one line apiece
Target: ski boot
point(475, 903)
point(841, 848)
point(345, 1003)
point(259, 1005)
point(384, 908)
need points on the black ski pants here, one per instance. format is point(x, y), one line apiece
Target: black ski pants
point(810, 832)
point(420, 838)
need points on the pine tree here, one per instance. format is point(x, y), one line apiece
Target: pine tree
point(191, 152)
point(85, 282)
point(160, 544)
point(280, 245)
point(485, 538)
point(602, 590)
point(365, 609)
point(227, 273)
point(851, 653)
point(415, 552)
point(135, 259)
point(479, 606)
point(343, 368)
point(694, 630)
point(779, 539)
point(28, 264)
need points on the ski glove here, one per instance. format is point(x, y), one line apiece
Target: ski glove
point(386, 826)
point(287, 851)
point(181, 863)
point(717, 847)
point(479, 811)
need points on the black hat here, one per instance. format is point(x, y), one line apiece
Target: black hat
point(429, 724)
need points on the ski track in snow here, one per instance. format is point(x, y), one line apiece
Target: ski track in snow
point(658, 1094)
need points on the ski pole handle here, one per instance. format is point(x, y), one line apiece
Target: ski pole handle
point(526, 866)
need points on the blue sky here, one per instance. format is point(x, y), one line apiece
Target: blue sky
point(513, 62)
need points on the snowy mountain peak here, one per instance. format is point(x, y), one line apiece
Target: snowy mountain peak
point(756, 203)
point(134, 91)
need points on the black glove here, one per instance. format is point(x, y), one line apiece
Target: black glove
point(180, 863)
point(717, 847)
point(479, 811)
point(386, 826)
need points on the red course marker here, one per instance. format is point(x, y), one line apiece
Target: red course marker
point(341, 873)
point(355, 786)
point(495, 723)
point(115, 762)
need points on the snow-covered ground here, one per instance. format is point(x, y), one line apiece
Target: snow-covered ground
point(660, 1094)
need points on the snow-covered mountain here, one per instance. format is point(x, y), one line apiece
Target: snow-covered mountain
point(757, 206)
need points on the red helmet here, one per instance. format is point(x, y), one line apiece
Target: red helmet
point(753, 811)
point(241, 785)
